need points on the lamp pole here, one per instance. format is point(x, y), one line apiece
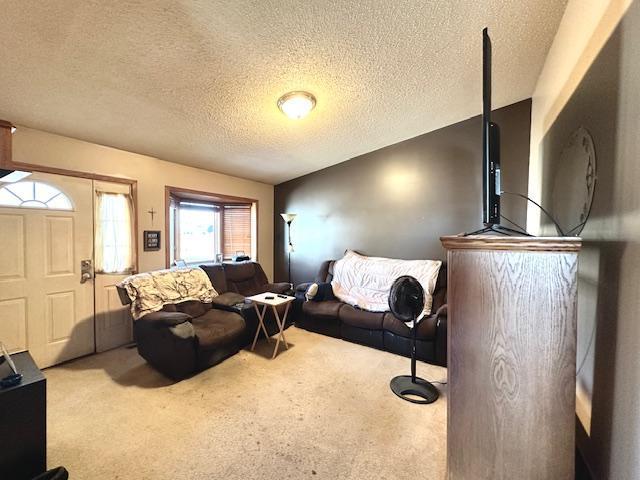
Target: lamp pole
point(289, 248)
point(288, 218)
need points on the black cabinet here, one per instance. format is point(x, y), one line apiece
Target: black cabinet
point(23, 421)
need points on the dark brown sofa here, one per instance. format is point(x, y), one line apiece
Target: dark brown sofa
point(236, 281)
point(186, 337)
point(377, 329)
point(190, 336)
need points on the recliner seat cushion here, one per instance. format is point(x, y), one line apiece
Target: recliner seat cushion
point(218, 328)
point(361, 318)
point(193, 308)
point(326, 309)
point(426, 327)
point(217, 276)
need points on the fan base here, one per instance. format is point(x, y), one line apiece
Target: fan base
point(419, 392)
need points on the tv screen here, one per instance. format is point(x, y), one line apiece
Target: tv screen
point(490, 143)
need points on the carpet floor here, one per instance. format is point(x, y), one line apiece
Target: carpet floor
point(321, 410)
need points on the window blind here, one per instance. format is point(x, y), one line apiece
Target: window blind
point(236, 230)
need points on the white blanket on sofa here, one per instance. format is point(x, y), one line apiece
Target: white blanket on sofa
point(150, 291)
point(365, 282)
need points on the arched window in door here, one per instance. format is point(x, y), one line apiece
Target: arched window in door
point(33, 195)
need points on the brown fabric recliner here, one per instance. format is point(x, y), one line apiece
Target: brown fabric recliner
point(236, 281)
point(377, 329)
point(248, 278)
point(186, 337)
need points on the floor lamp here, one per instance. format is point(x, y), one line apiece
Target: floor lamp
point(288, 218)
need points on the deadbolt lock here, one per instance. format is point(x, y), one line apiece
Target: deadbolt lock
point(86, 270)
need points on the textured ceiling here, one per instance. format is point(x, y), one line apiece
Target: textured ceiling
point(196, 82)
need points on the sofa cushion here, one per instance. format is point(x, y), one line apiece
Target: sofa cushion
point(217, 276)
point(361, 318)
point(426, 328)
point(228, 299)
point(280, 287)
point(325, 274)
point(217, 328)
point(245, 278)
point(326, 309)
point(193, 308)
point(440, 292)
point(239, 272)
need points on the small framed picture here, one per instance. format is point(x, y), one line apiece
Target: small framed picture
point(151, 240)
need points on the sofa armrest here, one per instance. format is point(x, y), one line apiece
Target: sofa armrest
point(227, 299)
point(168, 319)
point(280, 287)
point(301, 291)
point(171, 349)
point(183, 330)
point(442, 311)
point(123, 295)
point(441, 335)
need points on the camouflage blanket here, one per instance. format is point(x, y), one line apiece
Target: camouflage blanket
point(150, 291)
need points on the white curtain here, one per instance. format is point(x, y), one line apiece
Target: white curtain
point(114, 233)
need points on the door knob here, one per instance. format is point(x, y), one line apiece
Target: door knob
point(86, 270)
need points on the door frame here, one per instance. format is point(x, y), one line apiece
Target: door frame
point(92, 176)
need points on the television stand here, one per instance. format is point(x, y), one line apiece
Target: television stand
point(512, 357)
point(502, 230)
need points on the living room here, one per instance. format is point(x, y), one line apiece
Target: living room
point(271, 159)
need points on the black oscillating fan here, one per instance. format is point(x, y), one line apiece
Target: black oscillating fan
point(406, 301)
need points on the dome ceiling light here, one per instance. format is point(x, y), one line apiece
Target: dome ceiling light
point(296, 105)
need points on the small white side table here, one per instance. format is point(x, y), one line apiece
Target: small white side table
point(274, 302)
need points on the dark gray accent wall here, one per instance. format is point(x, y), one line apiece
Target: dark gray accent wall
point(607, 104)
point(397, 201)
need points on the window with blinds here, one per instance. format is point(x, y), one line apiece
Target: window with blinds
point(202, 231)
point(236, 230)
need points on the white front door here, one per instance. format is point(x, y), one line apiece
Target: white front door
point(113, 321)
point(45, 305)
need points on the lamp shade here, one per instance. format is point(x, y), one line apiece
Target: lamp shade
point(288, 217)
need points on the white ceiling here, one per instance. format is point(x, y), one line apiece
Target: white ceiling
point(196, 82)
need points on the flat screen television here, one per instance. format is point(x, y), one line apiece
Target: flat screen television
point(490, 144)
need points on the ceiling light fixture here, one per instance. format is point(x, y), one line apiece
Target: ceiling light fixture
point(296, 105)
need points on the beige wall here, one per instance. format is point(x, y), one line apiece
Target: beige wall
point(591, 79)
point(152, 174)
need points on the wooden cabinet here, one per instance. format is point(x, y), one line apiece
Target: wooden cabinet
point(512, 357)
